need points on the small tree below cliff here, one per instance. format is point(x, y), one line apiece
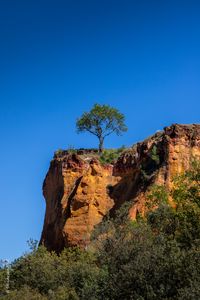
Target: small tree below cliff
point(101, 121)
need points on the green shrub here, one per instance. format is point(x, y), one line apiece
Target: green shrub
point(2, 281)
point(58, 152)
point(71, 149)
point(157, 195)
point(109, 156)
point(154, 155)
point(24, 293)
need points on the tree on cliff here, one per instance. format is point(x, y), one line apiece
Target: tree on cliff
point(101, 121)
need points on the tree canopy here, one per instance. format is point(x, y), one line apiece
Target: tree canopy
point(101, 121)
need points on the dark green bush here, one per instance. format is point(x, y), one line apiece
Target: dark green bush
point(24, 293)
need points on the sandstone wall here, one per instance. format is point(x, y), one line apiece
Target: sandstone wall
point(79, 191)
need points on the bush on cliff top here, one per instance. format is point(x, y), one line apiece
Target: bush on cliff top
point(109, 156)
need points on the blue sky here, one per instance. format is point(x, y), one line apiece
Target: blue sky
point(57, 58)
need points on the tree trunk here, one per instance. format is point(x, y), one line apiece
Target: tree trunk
point(101, 144)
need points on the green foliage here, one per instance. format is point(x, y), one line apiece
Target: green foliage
point(154, 155)
point(149, 166)
point(74, 274)
point(71, 149)
point(33, 244)
point(109, 156)
point(101, 121)
point(145, 177)
point(156, 257)
point(186, 194)
point(25, 293)
point(159, 258)
point(36, 270)
point(58, 152)
point(2, 281)
point(63, 293)
point(187, 186)
point(157, 196)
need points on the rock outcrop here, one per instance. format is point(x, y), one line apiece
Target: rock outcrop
point(154, 161)
point(80, 191)
point(76, 193)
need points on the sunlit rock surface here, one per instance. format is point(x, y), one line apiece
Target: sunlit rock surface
point(80, 191)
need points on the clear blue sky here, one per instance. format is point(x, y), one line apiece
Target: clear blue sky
point(57, 58)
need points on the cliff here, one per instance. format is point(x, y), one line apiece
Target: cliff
point(80, 191)
point(75, 190)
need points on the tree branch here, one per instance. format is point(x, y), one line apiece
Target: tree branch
point(109, 133)
point(92, 132)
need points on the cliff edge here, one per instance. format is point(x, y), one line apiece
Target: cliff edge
point(80, 191)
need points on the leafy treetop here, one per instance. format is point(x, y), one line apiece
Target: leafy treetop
point(101, 121)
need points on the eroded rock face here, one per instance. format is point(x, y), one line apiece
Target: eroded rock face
point(79, 191)
point(155, 161)
point(76, 193)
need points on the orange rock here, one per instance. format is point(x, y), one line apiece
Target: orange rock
point(155, 161)
point(79, 191)
point(77, 199)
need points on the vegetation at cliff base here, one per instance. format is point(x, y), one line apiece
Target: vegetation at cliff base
point(155, 257)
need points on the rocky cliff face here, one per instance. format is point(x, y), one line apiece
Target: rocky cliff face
point(79, 191)
point(154, 161)
point(76, 193)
